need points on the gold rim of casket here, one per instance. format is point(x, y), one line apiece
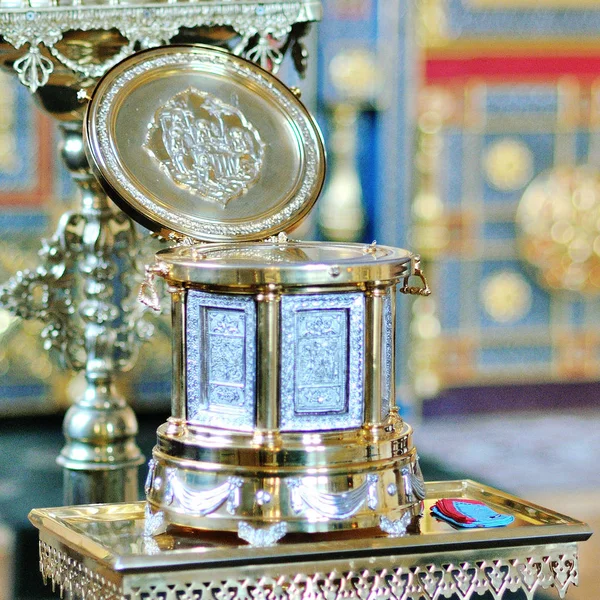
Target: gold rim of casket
point(196, 141)
point(201, 447)
point(293, 263)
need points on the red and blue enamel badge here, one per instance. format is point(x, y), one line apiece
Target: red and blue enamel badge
point(464, 513)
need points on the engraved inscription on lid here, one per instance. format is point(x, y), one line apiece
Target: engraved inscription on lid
point(199, 142)
point(206, 146)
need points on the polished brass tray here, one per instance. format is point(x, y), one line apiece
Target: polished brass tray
point(100, 550)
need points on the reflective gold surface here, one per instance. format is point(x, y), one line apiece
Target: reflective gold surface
point(538, 550)
point(198, 141)
point(112, 533)
point(292, 263)
point(329, 462)
point(344, 468)
point(375, 454)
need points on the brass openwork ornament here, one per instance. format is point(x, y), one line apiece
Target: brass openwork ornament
point(559, 224)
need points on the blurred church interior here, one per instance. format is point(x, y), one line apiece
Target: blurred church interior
point(465, 130)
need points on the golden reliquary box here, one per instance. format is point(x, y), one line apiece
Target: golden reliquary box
point(283, 416)
point(284, 428)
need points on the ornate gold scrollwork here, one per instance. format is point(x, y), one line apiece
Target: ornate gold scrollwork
point(49, 293)
point(266, 32)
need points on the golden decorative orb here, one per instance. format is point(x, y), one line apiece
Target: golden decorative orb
point(506, 296)
point(559, 228)
point(508, 164)
point(356, 75)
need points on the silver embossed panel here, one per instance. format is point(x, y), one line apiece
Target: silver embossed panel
point(220, 360)
point(322, 362)
point(387, 392)
point(322, 368)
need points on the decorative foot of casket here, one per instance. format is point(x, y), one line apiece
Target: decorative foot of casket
point(396, 527)
point(261, 537)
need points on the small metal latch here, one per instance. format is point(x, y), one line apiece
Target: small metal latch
point(415, 290)
point(280, 239)
point(148, 294)
point(83, 95)
point(181, 240)
point(370, 248)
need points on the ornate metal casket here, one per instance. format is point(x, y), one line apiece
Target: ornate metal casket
point(283, 416)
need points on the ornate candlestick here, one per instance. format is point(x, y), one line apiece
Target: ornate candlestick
point(81, 289)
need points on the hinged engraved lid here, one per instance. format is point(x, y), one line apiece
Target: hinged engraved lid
point(199, 142)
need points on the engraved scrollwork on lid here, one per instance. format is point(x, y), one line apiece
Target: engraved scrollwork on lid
point(206, 146)
point(186, 212)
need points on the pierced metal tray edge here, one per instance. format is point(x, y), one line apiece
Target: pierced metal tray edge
point(551, 527)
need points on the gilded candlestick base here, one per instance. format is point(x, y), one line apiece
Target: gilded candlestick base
point(101, 458)
point(91, 325)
